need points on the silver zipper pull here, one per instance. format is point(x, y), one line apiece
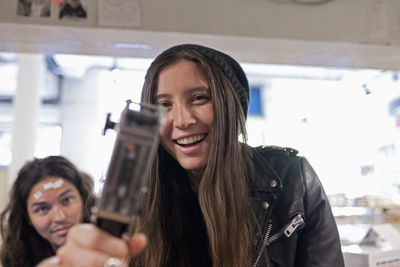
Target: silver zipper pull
point(297, 221)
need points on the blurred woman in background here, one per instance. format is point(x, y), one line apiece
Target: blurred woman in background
point(48, 197)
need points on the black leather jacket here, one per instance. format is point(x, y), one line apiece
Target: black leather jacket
point(297, 225)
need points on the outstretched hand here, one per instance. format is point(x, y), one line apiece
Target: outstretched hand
point(89, 246)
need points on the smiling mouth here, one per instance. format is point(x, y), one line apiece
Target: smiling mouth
point(192, 140)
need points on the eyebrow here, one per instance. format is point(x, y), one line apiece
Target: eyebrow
point(38, 204)
point(58, 197)
point(64, 193)
point(188, 92)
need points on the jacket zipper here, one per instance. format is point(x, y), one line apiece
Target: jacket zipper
point(264, 244)
point(287, 230)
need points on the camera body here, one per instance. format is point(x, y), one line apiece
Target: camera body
point(133, 154)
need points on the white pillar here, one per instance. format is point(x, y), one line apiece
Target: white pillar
point(81, 130)
point(26, 106)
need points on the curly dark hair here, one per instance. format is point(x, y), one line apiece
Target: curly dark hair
point(21, 244)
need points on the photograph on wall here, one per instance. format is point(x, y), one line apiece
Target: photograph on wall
point(34, 8)
point(73, 9)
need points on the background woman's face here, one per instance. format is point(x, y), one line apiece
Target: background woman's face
point(186, 134)
point(54, 205)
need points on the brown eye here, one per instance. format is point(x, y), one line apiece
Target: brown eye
point(66, 200)
point(167, 105)
point(164, 104)
point(200, 98)
point(41, 210)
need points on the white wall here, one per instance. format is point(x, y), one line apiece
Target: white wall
point(370, 21)
point(346, 33)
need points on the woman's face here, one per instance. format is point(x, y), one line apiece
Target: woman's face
point(54, 206)
point(186, 133)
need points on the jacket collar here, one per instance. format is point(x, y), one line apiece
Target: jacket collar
point(262, 175)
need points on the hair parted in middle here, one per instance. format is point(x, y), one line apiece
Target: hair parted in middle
point(222, 197)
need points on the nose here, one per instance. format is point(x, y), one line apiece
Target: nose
point(183, 117)
point(58, 214)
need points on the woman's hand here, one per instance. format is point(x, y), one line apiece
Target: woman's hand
point(88, 246)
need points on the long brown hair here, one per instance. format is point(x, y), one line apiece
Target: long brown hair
point(21, 244)
point(223, 190)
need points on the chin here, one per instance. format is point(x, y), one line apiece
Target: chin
point(193, 166)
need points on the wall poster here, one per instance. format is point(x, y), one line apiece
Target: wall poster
point(73, 9)
point(34, 8)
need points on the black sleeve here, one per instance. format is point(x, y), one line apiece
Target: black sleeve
point(319, 243)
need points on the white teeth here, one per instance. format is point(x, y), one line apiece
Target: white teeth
point(190, 140)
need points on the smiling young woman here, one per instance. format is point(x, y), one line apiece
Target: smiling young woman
point(200, 150)
point(47, 199)
point(214, 201)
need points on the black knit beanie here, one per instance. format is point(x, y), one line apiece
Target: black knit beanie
point(228, 65)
